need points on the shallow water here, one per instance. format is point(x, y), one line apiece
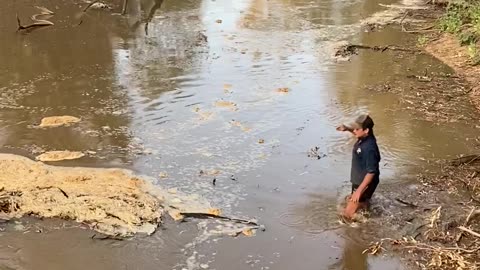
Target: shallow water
point(148, 99)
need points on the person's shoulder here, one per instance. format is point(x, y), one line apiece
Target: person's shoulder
point(371, 142)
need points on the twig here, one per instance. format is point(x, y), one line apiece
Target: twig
point(406, 203)
point(381, 48)
point(39, 23)
point(124, 9)
point(403, 18)
point(206, 215)
point(469, 231)
point(63, 192)
point(465, 223)
point(472, 214)
point(89, 5)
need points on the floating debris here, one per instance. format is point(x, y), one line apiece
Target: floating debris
point(57, 121)
point(240, 125)
point(163, 175)
point(212, 172)
point(59, 155)
point(226, 104)
point(313, 153)
point(283, 90)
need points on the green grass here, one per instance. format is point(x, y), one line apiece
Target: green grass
point(462, 18)
point(422, 40)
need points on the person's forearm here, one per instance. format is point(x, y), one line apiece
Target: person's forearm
point(349, 129)
point(366, 181)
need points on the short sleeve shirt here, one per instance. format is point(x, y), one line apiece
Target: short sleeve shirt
point(365, 159)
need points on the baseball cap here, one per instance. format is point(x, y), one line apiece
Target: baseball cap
point(363, 121)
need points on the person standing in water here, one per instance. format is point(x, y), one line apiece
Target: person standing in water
point(365, 171)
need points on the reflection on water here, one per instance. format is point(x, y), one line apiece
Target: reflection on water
point(148, 87)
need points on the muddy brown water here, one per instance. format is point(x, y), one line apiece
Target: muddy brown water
point(146, 95)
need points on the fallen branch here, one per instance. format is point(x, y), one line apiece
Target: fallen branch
point(89, 5)
point(472, 213)
point(124, 9)
point(206, 215)
point(151, 13)
point(406, 203)
point(421, 30)
point(469, 231)
point(37, 24)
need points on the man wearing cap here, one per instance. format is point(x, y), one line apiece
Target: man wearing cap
point(365, 172)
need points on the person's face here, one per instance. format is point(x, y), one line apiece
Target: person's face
point(360, 132)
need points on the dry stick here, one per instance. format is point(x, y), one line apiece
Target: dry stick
point(84, 11)
point(124, 9)
point(465, 223)
point(33, 25)
point(469, 231)
point(153, 10)
point(406, 203)
point(89, 5)
point(403, 18)
point(381, 48)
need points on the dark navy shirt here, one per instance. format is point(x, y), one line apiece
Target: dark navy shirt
point(365, 159)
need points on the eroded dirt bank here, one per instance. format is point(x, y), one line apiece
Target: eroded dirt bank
point(448, 50)
point(111, 201)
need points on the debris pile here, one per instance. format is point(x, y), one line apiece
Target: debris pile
point(429, 225)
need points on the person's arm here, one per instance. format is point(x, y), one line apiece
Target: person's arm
point(363, 186)
point(343, 127)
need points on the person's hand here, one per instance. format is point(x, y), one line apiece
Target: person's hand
point(342, 127)
point(355, 197)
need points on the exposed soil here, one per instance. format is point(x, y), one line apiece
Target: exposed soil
point(447, 49)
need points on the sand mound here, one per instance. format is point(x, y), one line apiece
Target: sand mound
point(111, 201)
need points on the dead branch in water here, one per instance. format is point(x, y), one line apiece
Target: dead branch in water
point(352, 49)
point(124, 9)
point(153, 10)
point(89, 5)
point(36, 24)
point(406, 203)
point(382, 48)
point(206, 215)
